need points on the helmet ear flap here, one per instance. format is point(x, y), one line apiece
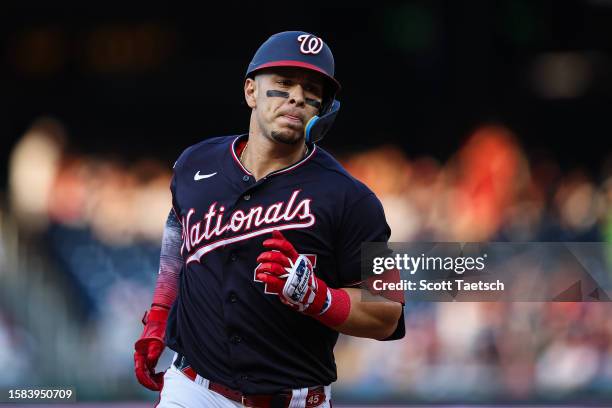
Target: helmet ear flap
point(318, 126)
point(329, 97)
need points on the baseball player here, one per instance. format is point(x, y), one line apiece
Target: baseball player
point(260, 259)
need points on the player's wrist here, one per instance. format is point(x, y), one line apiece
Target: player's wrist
point(159, 306)
point(154, 321)
point(320, 302)
point(156, 313)
point(336, 308)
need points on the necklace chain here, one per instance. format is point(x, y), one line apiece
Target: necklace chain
point(246, 145)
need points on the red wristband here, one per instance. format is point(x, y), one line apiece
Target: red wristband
point(338, 309)
point(155, 314)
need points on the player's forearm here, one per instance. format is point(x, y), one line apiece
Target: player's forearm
point(170, 263)
point(376, 320)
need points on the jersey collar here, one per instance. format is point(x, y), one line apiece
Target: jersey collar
point(237, 141)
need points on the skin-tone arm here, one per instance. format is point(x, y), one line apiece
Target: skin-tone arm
point(375, 320)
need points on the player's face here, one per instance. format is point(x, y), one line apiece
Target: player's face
point(284, 101)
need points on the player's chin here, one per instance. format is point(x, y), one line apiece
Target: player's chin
point(288, 135)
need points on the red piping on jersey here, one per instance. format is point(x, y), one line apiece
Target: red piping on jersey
point(233, 149)
point(240, 147)
point(237, 150)
point(298, 164)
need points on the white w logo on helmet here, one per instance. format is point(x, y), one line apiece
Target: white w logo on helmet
point(309, 44)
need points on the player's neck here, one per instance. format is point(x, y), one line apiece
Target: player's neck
point(262, 156)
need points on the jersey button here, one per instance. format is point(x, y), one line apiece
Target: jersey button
point(246, 178)
point(236, 339)
point(234, 258)
point(244, 377)
point(247, 197)
point(233, 298)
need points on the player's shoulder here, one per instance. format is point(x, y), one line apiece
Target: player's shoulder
point(208, 146)
point(338, 177)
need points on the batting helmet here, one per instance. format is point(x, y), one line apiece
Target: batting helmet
point(302, 50)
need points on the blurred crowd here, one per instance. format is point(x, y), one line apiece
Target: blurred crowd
point(89, 229)
point(490, 190)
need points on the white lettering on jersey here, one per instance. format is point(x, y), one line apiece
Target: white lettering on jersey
point(278, 216)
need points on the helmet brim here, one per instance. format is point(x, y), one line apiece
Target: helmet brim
point(298, 64)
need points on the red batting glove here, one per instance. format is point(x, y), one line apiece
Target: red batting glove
point(149, 347)
point(291, 276)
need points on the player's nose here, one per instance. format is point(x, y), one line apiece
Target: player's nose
point(296, 95)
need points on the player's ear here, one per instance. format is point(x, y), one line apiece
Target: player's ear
point(250, 89)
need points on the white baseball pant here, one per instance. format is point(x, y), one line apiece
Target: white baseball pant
point(179, 391)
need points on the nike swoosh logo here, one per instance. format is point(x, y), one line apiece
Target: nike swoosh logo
point(199, 176)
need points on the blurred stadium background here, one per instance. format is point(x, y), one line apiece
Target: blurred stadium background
point(470, 120)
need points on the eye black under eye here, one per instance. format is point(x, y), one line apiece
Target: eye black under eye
point(313, 102)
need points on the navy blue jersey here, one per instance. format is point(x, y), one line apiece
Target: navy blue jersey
point(229, 328)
